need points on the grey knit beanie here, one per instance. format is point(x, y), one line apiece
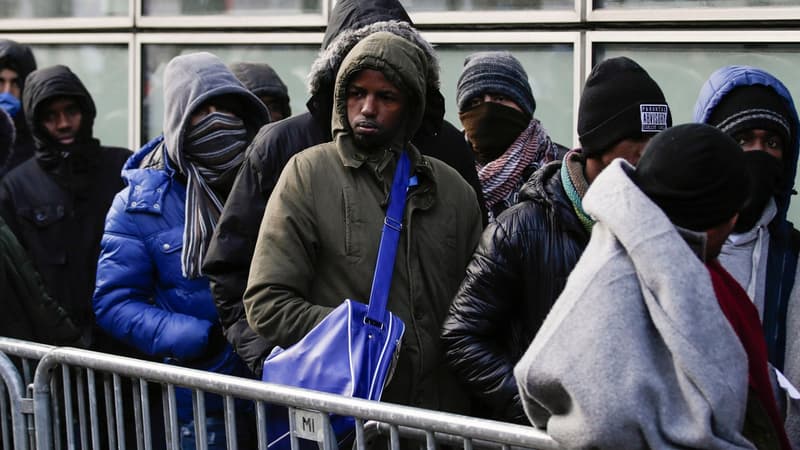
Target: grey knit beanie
point(497, 72)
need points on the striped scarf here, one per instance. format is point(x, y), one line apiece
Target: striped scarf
point(502, 177)
point(212, 148)
point(575, 185)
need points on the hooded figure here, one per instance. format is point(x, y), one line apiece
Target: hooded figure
point(231, 249)
point(312, 253)
point(150, 292)
point(762, 252)
point(262, 80)
point(19, 59)
point(29, 313)
point(56, 202)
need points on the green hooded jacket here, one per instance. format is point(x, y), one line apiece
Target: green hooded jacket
point(319, 238)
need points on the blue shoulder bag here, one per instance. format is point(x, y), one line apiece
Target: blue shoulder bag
point(353, 350)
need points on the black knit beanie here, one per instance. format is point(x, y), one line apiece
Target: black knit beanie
point(753, 107)
point(695, 173)
point(494, 72)
point(619, 101)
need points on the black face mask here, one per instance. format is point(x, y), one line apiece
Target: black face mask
point(765, 172)
point(492, 128)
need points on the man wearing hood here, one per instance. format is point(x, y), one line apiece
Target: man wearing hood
point(525, 256)
point(671, 354)
point(231, 249)
point(319, 238)
point(16, 62)
point(29, 313)
point(56, 202)
point(151, 292)
point(757, 110)
point(264, 82)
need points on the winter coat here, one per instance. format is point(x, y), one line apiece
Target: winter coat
point(621, 361)
point(517, 272)
point(312, 252)
point(29, 313)
point(781, 259)
point(19, 58)
point(142, 297)
point(56, 204)
point(228, 260)
point(778, 268)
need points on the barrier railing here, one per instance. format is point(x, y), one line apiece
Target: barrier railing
point(67, 410)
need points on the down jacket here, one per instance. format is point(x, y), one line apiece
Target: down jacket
point(228, 260)
point(518, 270)
point(142, 297)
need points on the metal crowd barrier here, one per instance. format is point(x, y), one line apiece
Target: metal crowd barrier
point(50, 398)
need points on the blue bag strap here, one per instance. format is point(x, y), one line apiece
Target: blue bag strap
point(390, 237)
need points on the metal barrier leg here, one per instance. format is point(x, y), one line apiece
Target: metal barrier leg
point(18, 405)
point(82, 413)
point(91, 384)
point(119, 413)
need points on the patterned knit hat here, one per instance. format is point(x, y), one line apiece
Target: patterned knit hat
point(619, 101)
point(753, 107)
point(496, 72)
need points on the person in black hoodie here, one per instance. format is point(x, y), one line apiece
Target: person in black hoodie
point(264, 82)
point(228, 259)
point(16, 62)
point(56, 202)
point(28, 312)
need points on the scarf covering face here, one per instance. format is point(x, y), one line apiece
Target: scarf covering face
point(213, 151)
point(575, 185)
point(765, 173)
point(502, 177)
point(491, 128)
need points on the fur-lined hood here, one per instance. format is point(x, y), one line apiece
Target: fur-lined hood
point(322, 76)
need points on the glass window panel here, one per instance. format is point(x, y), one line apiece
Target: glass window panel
point(104, 70)
point(631, 4)
point(63, 8)
point(291, 62)
point(486, 5)
point(239, 7)
point(681, 70)
point(549, 68)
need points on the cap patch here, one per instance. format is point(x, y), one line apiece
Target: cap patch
point(654, 117)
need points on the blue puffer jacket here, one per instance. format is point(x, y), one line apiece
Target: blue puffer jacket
point(142, 298)
point(781, 260)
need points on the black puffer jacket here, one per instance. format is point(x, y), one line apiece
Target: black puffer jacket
point(227, 262)
point(19, 58)
point(517, 272)
point(56, 202)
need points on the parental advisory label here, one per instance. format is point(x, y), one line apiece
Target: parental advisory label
point(654, 117)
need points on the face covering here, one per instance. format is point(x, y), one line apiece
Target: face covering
point(10, 103)
point(491, 128)
point(765, 173)
point(216, 145)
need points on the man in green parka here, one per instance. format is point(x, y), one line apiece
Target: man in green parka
point(320, 233)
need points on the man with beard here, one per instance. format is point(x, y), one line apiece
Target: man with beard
point(757, 110)
point(56, 202)
point(319, 238)
point(231, 249)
